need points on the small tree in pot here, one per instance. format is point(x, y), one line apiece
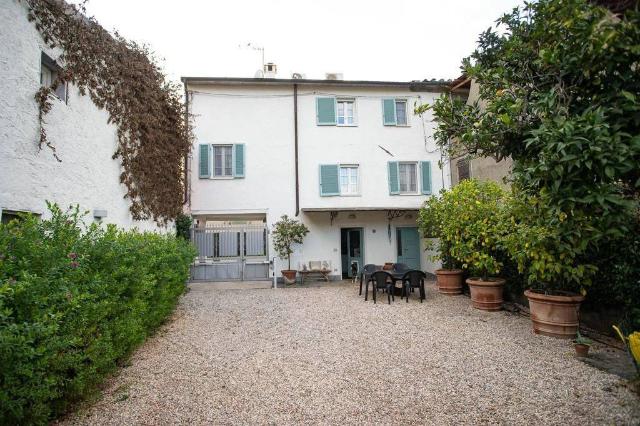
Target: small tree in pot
point(431, 220)
point(547, 248)
point(474, 228)
point(286, 233)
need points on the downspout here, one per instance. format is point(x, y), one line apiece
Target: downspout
point(295, 133)
point(186, 157)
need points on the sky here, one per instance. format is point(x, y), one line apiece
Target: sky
point(398, 40)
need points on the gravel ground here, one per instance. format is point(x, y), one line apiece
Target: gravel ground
point(323, 355)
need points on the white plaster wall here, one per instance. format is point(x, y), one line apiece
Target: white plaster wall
point(84, 141)
point(359, 145)
point(261, 117)
point(323, 240)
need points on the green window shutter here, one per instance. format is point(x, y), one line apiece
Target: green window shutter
point(389, 112)
point(394, 178)
point(329, 182)
point(425, 170)
point(326, 111)
point(205, 164)
point(238, 160)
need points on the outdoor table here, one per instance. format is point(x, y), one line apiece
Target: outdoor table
point(395, 276)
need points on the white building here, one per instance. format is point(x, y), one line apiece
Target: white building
point(349, 159)
point(85, 142)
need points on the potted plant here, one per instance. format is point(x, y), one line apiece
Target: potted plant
point(286, 233)
point(431, 220)
point(473, 228)
point(582, 345)
point(546, 248)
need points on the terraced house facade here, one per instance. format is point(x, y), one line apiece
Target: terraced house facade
point(349, 159)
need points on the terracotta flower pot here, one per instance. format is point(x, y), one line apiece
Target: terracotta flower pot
point(554, 315)
point(486, 295)
point(581, 350)
point(449, 281)
point(289, 276)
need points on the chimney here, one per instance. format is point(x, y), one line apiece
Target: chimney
point(270, 70)
point(333, 76)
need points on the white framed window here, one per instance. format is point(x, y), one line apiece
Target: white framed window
point(349, 180)
point(408, 178)
point(49, 71)
point(222, 160)
point(401, 112)
point(345, 112)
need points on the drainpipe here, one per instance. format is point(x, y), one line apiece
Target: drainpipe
point(295, 133)
point(185, 199)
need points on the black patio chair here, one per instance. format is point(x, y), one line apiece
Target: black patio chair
point(413, 279)
point(380, 279)
point(366, 272)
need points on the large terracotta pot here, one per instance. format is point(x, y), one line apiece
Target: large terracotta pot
point(289, 276)
point(554, 315)
point(486, 295)
point(449, 281)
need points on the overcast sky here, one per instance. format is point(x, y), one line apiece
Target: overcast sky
point(370, 40)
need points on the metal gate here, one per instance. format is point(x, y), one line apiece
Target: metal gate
point(231, 252)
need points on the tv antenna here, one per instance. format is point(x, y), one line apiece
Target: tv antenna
point(253, 47)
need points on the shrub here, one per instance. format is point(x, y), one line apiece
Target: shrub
point(432, 220)
point(183, 226)
point(75, 301)
point(474, 225)
point(547, 247)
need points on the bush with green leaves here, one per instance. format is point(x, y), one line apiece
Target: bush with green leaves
point(183, 226)
point(547, 248)
point(432, 220)
point(287, 232)
point(75, 301)
point(473, 225)
point(560, 95)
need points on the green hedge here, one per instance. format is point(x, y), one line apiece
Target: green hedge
point(75, 301)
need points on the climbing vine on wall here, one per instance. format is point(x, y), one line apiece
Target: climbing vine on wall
point(123, 78)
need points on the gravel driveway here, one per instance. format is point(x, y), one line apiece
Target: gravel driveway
point(323, 355)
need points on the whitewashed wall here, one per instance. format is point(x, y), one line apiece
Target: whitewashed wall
point(261, 117)
point(84, 141)
point(360, 145)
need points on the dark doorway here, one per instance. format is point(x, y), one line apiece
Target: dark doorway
point(351, 250)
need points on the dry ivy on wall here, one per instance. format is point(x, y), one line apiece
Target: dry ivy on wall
point(121, 77)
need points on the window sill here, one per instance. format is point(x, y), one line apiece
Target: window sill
point(346, 125)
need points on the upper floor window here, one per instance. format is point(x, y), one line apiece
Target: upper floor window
point(349, 180)
point(221, 161)
point(464, 171)
point(49, 71)
point(394, 112)
point(332, 111)
point(346, 108)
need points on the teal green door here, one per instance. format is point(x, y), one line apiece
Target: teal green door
point(408, 247)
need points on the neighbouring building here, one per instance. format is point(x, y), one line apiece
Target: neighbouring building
point(85, 142)
point(483, 168)
point(349, 159)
